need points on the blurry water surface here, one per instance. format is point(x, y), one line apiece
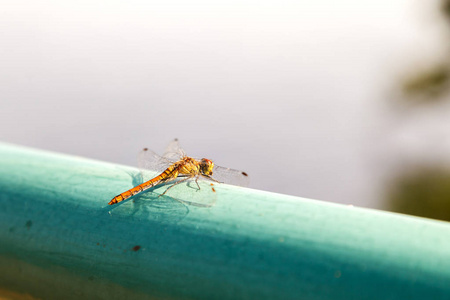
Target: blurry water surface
point(295, 93)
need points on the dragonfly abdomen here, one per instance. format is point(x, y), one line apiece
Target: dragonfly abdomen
point(168, 174)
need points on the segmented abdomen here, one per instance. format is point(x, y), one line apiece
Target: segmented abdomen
point(170, 173)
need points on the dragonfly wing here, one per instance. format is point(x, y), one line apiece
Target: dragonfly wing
point(188, 192)
point(174, 151)
point(150, 161)
point(230, 176)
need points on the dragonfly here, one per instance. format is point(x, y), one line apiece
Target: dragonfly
point(174, 168)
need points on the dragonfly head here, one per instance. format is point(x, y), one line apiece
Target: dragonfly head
point(206, 167)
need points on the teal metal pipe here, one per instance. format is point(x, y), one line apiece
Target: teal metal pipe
point(59, 238)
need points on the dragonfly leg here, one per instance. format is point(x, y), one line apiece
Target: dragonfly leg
point(178, 182)
point(209, 177)
point(196, 178)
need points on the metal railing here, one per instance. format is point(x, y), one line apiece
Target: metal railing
point(60, 239)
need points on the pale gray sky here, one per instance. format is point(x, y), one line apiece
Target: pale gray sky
point(288, 91)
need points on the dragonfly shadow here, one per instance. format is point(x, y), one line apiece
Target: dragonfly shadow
point(150, 205)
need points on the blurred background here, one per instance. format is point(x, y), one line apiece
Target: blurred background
point(343, 101)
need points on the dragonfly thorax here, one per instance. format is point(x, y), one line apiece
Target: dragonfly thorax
point(206, 167)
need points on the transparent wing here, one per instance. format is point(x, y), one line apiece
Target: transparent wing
point(230, 176)
point(151, 164)
point(174, 151)
point(201, 193)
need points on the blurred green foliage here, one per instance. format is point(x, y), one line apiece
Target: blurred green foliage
point(445, 9)
point(428, 86)
point(433, 84)
point(423, 192)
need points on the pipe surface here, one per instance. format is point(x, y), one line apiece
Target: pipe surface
point(59, 238)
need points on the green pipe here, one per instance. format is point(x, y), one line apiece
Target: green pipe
point(60, 239)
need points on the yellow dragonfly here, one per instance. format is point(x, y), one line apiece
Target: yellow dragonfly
point(174, 168)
